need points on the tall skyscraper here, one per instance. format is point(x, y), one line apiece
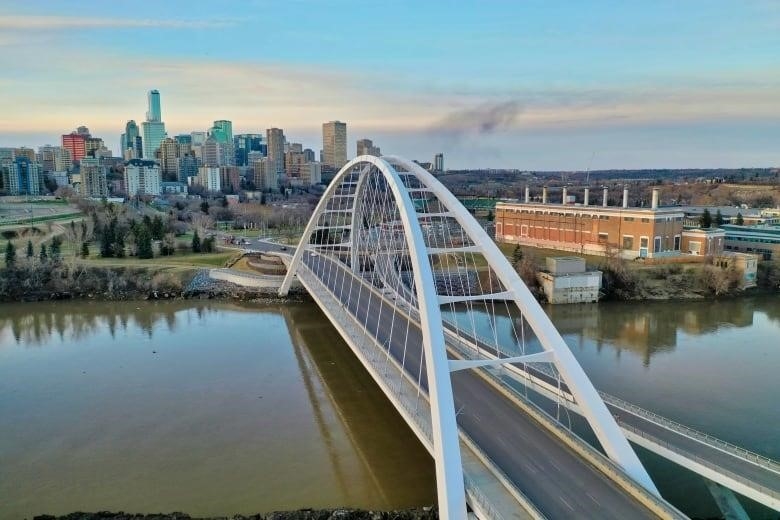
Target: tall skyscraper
point(169, 159)
point(76, 144)
point(154, 114)
point(142, 178)
point(366, 147)
point(22, 177)
point(274, 137)
point(153, 128)
point(334, 143)
point(438, 162)
point(222, 131)
point(244, 144)
point(93, 178)
point(130, 140)
point(188, 167)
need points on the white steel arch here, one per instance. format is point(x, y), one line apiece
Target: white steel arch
point(595, 411)
point(449, 474)
point(444, 427)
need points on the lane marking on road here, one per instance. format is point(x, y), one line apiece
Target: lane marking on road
point(593, 498)
point(566, 503)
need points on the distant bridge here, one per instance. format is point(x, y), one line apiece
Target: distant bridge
point(413, 283)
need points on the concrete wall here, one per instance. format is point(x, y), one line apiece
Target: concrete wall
point(571, 288)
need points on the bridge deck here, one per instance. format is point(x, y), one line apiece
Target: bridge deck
point(556, 479)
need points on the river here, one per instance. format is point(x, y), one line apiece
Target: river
point(219, 408)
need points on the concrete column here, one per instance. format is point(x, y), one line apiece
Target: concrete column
point(625, 197)
point(527, 195)
point(563, 197)
point(586, 197)
point(604, 201)
point(544, 195)
point(656, 191)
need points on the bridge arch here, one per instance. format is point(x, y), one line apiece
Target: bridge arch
point(343, 206)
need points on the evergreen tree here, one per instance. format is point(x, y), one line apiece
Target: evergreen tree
point(44, 257)
point(705, 221)
point(158, 228)
point(10, 255)
point(208, 245)
point(30, 251)
point(204, 207)
point(105, 243)
point(119, 246)
point(196, 242)
point(740, 220)
point(55, 250)
point(718, 218)
point(517, 255)
point(490, 216)
point(144, 240)
point(84, 250)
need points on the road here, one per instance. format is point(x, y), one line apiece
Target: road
point(552, 476)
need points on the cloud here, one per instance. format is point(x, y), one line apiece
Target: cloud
point(483, 119)
point(26, 22)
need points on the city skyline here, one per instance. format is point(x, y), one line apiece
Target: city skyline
point(540, 86)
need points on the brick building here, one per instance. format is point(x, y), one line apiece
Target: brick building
point(592, 230)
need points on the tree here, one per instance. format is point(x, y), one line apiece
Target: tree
point(119, 246)
point(44, 257)
point(208, 245)
point(30, 251)
point(158, 228)
point(55, 250)
point(490, 216)
point(10, 255)
point(196, 242)
point(740, 221)
point(705, 221)
point(517, 255)
point(718, 219)
point(144, 242)
point(84, 250)
point(204, 207)
point(168, 245)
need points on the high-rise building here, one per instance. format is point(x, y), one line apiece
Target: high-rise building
point(438, 162)
point(22, 177)
point(142, 177)
point(154, 113)
point(293, 161)
point(185, 144)
point(229, 178)
point(169, 159)
point(222, 131)
point(208, 177)
point(153, 129)
point(274, 137)
point(334, 143)
point(265, 176)
point(366, 147)
point(210, 152)
point(53, 158)
point(6, 155)
point(311, 173)
point(91, 144)
point(76, 144)
point(83, 130)
point(131, 140)
point(93, 178)
point(308, 154)
point(244, 144)
point(188, 167)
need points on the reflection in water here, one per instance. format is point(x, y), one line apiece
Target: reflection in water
point(205, 407)
point(651, 328)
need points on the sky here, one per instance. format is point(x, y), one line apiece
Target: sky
point(527, 84)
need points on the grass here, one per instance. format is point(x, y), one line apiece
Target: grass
point(178, 261)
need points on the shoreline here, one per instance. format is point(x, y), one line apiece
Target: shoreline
point(423, 513)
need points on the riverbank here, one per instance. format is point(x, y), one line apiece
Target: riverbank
point(119, 283)
point(426, 513)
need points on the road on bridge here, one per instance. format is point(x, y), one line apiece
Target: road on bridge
point(550, 474)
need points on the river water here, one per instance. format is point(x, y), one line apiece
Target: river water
point(219, 408)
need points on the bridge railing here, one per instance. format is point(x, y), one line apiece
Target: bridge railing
point(704, 462)
point(755, 458)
